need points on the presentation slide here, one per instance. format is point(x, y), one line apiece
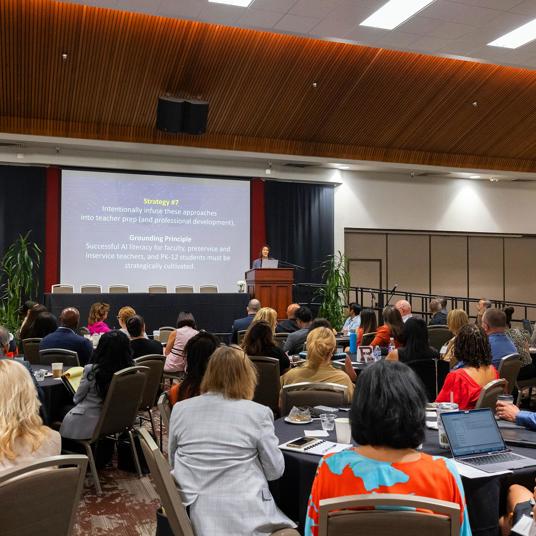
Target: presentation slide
point(141, 230)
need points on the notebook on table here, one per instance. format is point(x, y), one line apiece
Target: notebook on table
point(312, 445)
point(475, 439)
point(71, 378)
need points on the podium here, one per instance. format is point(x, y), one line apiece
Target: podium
point(272, 287)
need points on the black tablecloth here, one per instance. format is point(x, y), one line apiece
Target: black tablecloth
point(485, 497)
point(56, 395)
point(212, 312)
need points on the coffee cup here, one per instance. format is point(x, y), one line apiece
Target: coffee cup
point(342, 430)
point(57, 370)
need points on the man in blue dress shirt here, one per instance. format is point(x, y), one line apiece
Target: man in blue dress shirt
point(494, 324)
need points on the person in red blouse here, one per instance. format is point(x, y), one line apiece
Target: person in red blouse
point(474, 370)
point(392, 327)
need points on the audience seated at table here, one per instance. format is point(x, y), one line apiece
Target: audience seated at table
point(388, 423)
point(97, 315)
point(353, 320)
point(241, 324)
point(268, 315)
point(139, 343)
point(321, 345)
point(474, 370)
point(223, 451)
point(439, 316)
point(369, 324)
point(186, 329)
point(456, 319)
point(393, 326)
point(289, 325)
point(295, 341)
point(416, 344)
point(510, 412)
point(259, 341)
point(23, 438)
point(404, 308)
point(198, 351)
point(45, 323)
point(123, 315)
point(494, 324)
point(27, 328)
point(521, 340)
point(111, 355)
point(66, 338)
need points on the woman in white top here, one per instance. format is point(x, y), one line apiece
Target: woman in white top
point(23, 438)
point(223, 450)
point(186, 329)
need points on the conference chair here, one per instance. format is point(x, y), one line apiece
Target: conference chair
point(208, 289)
point(62, 288)
point(30, 349)
point(509, 370)
point(165, 332)
point(367, 338)
point(42, 497)
point(529, 384)
point(164, 408)
point(392, 513)
point(69, 358)
point(119, 411)
point(157, 289)
point(240, 335)
point(432, 373)
point(280, 339)
point(438, 336)
point(118, 289)
point(184, 289)
point(90, 289)
point(155, 364)
point(312, 394)
point(168, 490)
point(224, 338)
point(268, 384)
point(489, 394)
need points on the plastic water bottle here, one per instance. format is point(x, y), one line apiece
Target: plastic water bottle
point(353, 342)
point(392, 346)
point(377, 353)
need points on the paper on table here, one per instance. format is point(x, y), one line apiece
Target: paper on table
point(431, 414)
point(315, 433)
point(525, 526)
point(472, 472)
point(432, 425)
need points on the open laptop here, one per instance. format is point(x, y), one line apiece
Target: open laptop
point(270, 263)
point(475, 439)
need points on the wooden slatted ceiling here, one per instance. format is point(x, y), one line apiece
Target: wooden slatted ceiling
point(370, 104)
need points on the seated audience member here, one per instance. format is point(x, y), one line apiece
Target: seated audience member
point(456, 319)
point(139, 343)
point(259, 341)
point(289, 325)
point(122, 316)
point(97, 315)
point(198, 351)
point(369, 324)
point(25, 311)
point(481, 307)
point(4, 343)
point(464, 383)
point(295, 341)
point(494, 324)
point(321, 346)
point(404, 308)
point(393, 326)
point(241, 324)
point(439, 317)
point(416, 345)
point(174, 352)
point(111, 355)
point(268, 315)
point(23, 438)
point(519, 502)
point(521, 340)
point(353, 321)
point(387, 459)
point(510, 412)
point(27, 329)
point(320, 322)
point(223, 450)
point(66, 338)
point(45, 323)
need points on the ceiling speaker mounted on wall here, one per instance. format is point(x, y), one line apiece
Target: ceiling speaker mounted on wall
point(179, 115)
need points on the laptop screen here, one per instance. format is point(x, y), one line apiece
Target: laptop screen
point(270, 263)
point(472, 432)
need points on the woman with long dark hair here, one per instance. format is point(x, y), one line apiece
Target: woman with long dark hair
point(259, 340)
point(111, 355)
point(416, 345)
point(27, 329)
point(393, 327)
point(369, 324)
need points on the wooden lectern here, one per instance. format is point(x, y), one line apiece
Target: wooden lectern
point(272, 287)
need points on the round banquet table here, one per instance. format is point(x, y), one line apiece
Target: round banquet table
point(55, 395)
point(485, 497)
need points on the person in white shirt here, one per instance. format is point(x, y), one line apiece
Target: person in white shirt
point(353, 321)
point(404, 308)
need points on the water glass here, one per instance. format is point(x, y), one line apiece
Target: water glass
point(40, 375)
point(328, 421)
point(505, 399)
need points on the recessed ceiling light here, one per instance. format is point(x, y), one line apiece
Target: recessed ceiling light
point(518, 37)
point(342, 166)
point(240, 3)
point(474, 176)
point(394, 13)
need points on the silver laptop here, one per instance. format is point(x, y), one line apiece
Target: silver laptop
point(270, 263)
point(475, 439)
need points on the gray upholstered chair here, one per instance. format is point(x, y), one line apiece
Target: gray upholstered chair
point(184, 289)
point(69, 358)
point(208, 289)
point(30, 348)
point(157, 289)
point(268, 384)
point(438, 336)
point(155, 364)
point(489, 394)
point(312, 394)
point(118, 289)
point(90, 289)
point(509, 369)
point(62, 288)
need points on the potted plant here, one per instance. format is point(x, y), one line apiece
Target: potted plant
point(19, 279)
point(334, 293)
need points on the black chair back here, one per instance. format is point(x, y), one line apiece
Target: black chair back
point(432, 373)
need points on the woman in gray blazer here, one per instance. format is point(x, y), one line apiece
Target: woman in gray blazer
point(112, 354)
point(223, 450)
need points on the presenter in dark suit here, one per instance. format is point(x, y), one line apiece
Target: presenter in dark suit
point(265, 255)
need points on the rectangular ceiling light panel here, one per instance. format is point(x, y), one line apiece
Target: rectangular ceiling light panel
point(518, 37)
point(394, 13)
point(240, 3)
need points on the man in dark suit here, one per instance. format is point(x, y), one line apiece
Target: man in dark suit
point(439, 317)
point(289, 325)
point(242, 324)
point(65, 337)
point(295, 341)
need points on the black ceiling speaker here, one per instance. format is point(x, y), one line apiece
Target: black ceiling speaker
point(178, 115)
point(194, 117)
